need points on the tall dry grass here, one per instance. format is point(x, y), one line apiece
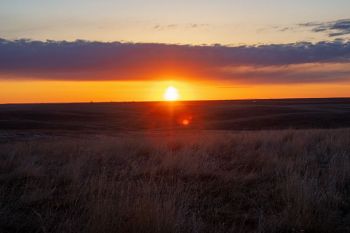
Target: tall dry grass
point(268, 181)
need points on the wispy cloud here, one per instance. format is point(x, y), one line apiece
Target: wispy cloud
point(332, 28)
point(162, 27)
point(87, 60)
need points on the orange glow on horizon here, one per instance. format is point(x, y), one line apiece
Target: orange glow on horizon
point(30, 91)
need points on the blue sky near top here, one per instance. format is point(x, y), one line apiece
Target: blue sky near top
point(182, 22)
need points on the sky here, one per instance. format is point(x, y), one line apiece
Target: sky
point(108, 50)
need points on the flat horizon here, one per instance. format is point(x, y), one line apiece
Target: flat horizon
point(174, 116)
point(174, 102)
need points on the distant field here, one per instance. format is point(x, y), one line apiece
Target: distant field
point(214, 115)
point(176, 181)
point(278, 166)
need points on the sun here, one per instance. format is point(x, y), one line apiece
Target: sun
point(171, 94)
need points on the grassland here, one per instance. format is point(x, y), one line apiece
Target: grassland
point(177, 181)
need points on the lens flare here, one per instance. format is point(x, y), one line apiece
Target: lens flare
point(185, 122)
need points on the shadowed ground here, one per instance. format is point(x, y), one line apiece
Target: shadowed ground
point(237, 166)
point(177, 181)
point(233, 115)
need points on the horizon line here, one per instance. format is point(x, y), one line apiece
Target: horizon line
point(170, 102)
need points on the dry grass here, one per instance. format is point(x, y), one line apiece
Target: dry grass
point(268, 181)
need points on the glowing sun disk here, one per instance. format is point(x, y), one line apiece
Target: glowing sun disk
point(171, 94)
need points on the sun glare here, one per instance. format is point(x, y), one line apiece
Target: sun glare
point(171, 94)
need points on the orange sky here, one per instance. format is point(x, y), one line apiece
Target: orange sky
point(144, 72)
point(106, 50)
point(105, 91)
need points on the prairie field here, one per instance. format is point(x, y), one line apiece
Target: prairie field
point(174, 116)
point(176, 181)
point(236, 166)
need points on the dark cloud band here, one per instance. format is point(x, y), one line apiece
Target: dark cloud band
point(86, 60)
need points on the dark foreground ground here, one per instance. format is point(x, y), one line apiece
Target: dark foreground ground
point(178, 182)
point(218, 115)
point(237, 166)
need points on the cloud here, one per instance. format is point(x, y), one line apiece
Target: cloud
point(299, 73)
point(166, 27)
point(87, 60)
point(332, 28)
point(162, 27)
